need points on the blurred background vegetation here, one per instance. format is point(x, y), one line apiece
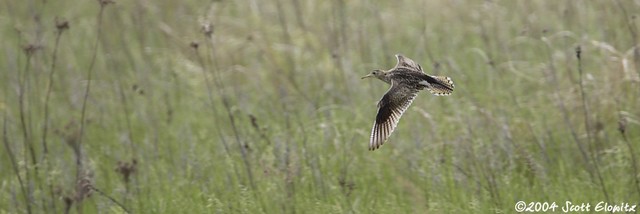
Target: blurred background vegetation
point(256, 106)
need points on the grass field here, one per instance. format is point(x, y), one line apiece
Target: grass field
point(257, 106)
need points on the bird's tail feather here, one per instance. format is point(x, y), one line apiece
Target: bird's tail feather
point(443, 86)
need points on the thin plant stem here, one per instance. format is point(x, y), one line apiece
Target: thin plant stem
point(225, 102)
point(14, 164)
point(565, 112)
point(210, 96)
point(88, 87)
point(622, 128)
point(634, 36)
point(78, 146)
point(587, 124)
point(29, 149)
point(45, 128)
point(111, 199)
point(227, 106)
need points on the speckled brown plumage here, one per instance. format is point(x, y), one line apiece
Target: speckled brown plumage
point(407, 79)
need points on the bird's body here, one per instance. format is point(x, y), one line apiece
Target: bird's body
point(407, 79)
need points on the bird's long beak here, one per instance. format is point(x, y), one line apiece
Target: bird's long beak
point(368, 75)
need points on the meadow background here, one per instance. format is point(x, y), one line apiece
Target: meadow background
point(257, 106)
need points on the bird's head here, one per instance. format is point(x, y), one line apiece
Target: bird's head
point(375, 73)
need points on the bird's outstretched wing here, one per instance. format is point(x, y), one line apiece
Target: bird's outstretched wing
point(404, 62)
point(390, 108)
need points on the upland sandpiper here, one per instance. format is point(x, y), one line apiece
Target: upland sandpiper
point(407, 78)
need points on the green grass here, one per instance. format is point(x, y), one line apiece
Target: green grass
point(269, 114)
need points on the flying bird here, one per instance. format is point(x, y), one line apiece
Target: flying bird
point(407, 79)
